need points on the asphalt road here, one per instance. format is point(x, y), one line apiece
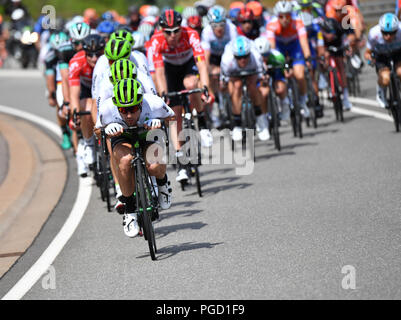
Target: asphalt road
point(286, 231)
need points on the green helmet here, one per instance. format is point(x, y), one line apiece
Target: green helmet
point(57, 39)
point(127, 93)
point(124, 34)
point(122, 69)
point(117, 49)
point(305, 3)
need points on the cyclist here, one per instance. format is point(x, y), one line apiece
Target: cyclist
point(130, 106)
point(56, 73)
point(274, 58)
point(241, 55)
point(334, 36)
point(215, 36)
point(91, 17)
point(246, 24)
point(134, 18)
point(80, 82)
point(234, 8)
point(192, 19)
point(386, 32)
point(347, 14)
point(179, 58)
point(287, 33)
point(316, 45)
point(78, 32)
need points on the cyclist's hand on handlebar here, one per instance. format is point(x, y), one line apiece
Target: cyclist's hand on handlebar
point(114, 129)
point(73, 126)
point(52, 102)
point(208, 96)
point(152, 124)
point(165, 98)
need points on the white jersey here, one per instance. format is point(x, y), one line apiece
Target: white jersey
point(229, 65)
point(376, 38)
point(216, 45)
point(153, 107)
point(102, 70)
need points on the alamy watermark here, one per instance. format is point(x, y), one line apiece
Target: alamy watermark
point(349, 280)
point(49, 279)
point(50, 17)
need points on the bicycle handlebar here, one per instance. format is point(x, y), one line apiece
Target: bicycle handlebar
point(186, 92)
point(243, 74)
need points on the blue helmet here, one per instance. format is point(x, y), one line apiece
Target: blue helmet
point(106, 27)
point(216, 14)
point(241, 46)
point(389, 22)
point(107, 16)
point(233, 13)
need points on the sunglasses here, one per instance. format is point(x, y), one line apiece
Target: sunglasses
point(171, 31)
point(241, 57)
point(284, 16)
point(94, 54)
point(218, 24)
point(76, 43)
point(246, 21)
point(133, 109)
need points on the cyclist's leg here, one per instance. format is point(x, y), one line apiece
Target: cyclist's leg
point(235, 91)
point(260, 105)
point(280, 87)
point(297, 55)
point(343, 81)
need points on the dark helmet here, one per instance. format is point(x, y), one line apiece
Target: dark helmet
point(170, 19)
point(330, 25)
point(93, 43)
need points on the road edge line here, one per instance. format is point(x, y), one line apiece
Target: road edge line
point(81, 203)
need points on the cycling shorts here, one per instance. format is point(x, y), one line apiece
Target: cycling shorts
point(175, 77)
point(293, 50)
point(215, 60)
point(384, 62)
point(86, 93)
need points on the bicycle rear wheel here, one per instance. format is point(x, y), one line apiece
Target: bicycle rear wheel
point(145, 209)
point(275, 120)
point(296, 118)
point(395, 103)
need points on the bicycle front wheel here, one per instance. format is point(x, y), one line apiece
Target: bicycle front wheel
point(145, 210)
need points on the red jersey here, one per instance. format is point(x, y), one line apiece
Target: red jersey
point(80, 72)
point(189, 47)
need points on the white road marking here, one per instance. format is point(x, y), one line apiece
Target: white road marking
point(371, 113)
point(68, 229)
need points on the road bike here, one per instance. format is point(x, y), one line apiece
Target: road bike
point(147, 203)
point(194, 160)
point(335, 83)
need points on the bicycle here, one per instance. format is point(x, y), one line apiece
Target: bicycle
point(296, 117)
point(273, 103)
point(394, 101)
point(335, 83)
point(248, 118)
point(224, 107)
point(192, 167)
point(147, 203)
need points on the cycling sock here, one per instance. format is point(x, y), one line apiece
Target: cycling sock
point(64, 129)
point(237, 120)
point(201, 120)
point(89, 142)
point(162, 182)
point(258, 111)
point(130, 203)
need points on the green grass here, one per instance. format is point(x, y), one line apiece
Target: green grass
point(68, 8)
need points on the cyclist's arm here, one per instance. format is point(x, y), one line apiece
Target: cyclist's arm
point(203, 73)
point(64, 84)
point(51, 88)
point(161, 82)
point(305, 46)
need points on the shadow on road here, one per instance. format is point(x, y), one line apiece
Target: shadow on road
point(162, 232)
point(170, 251)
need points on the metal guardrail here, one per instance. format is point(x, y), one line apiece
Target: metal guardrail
point(372, 10)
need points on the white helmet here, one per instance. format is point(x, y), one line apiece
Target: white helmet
point(189, 12)
point(282, 7)
point(262, 45)
point(146, 29)
point(139, 40)
point(79, 31)
point(153, 11)
point(389, 22)
point(216, 14)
